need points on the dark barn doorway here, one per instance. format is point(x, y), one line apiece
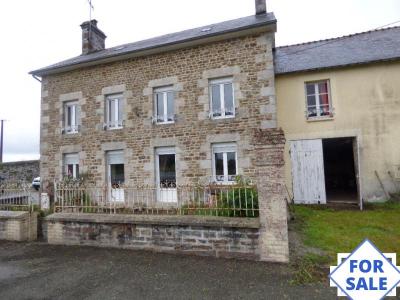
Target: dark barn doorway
point(340, 171)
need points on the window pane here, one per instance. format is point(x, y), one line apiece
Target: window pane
point(219, 164)
point(117, 175)
point(170, 106)
point(77, 171)
point(311, 101)
point(324, 104)
point(70, 170)
point(167, 170)
point(120, 111)
point(216, 100)
point(231, 157)
point(310, 88)
point(323, 99)
point(323, 87)
point(160, 107)
point(228, 94)
point(312, 106)
point(77, 115)
point(69, 116)
point(111, 111)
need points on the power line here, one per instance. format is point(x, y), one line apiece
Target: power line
point(1, 140)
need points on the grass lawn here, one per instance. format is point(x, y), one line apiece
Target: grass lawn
point(325, 232)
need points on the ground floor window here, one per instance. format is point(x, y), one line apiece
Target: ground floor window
point(71, 165)
point(116, 175)
point(166, 175)
point(224, 162)
point(116, 168)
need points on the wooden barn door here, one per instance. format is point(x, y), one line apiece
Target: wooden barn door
point(308, 171)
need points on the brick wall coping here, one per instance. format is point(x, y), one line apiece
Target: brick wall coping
point(156, 220)
point(4, 214)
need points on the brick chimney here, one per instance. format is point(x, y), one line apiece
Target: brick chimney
point(93, 39)
point(261, 7)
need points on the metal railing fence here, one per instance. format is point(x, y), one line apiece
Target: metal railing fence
point(16, 196)
point(232, 200)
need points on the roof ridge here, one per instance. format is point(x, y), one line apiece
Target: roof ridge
point(338, 38)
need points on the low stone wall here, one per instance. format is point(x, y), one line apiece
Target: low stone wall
point(18, 226)
point(20, 170)
point(206, 236)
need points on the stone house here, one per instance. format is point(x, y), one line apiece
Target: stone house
point(197, 106)
point(201, 92)
point(207, 104)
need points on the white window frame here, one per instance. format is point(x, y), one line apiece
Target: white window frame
point(71, 159)
point(221, 82)
point(74, 127)
point(317, 100)
point(115, 157)
point(224, 148)
point(164, 91)
point(117, 99)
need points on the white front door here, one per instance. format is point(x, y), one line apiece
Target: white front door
point(308, 171)
point(115, 176)
point(166, 175)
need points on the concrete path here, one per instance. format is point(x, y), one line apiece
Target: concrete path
point(40, 271)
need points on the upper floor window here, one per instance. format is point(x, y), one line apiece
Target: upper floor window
point(318, 99)
point(222, 99)
point(224, 162)
point(164, 105)
point(71, 117)
point(114, 111)
point(71, 165)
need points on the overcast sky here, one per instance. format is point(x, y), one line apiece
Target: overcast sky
point(37, 33)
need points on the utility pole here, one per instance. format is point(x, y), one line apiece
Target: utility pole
point(1, 140)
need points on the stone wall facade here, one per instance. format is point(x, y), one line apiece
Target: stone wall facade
point(218, 237)
point(247, 60)
point(20, 170)
point(18, 226)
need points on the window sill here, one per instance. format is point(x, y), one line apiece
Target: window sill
point(113, 128)
point(318, 119)
point(70, 134)
point(164, 123)
point(222, 118)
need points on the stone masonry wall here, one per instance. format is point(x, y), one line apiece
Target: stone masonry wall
point(18, 226)
point(20, 170)
point(218, 241)
point(248, 60)
point(268, 159)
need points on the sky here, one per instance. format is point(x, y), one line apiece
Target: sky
point(35, 34)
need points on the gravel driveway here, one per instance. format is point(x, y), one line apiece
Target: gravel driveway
point(40, 271)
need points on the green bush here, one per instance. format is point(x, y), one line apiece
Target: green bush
point(236, 200)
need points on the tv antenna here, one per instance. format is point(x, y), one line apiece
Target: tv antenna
point(91, 8)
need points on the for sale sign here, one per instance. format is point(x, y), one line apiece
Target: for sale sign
point(366, 273)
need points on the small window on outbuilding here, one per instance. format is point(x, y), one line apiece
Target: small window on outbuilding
point(319, 102)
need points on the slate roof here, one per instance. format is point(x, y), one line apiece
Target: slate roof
point(166, 40)
point(360, 48)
